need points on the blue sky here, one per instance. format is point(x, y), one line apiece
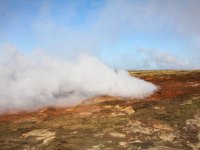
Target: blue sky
point(129, 34)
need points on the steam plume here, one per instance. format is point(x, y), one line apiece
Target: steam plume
point(38, 80)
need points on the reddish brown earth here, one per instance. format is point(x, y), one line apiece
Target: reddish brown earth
point(169, 119)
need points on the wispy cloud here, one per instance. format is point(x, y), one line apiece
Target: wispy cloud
point(64, 28)
point(156, 59)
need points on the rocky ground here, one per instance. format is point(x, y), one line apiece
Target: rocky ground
point(168, 120)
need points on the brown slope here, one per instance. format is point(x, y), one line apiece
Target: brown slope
point(169, 119)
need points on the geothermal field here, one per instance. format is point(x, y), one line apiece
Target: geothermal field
point(169, 119)
point(99, 75)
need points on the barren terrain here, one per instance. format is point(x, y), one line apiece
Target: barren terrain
point(168, 120)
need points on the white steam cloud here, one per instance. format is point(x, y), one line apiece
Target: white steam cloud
point(38, 80)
